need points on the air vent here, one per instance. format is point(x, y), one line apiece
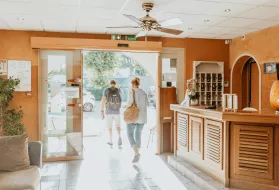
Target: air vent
point(254, 150)
point(182, 126)
point(214, 142)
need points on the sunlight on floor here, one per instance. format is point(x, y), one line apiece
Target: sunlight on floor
point(110, 168)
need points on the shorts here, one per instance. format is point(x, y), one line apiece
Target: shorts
point(110, 118)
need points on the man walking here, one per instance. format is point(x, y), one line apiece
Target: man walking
point(112, 101)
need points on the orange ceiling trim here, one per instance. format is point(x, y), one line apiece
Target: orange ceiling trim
point(94, 44)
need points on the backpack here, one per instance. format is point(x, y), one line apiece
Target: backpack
point(114, 99)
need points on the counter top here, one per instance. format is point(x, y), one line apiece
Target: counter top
point(226, 115)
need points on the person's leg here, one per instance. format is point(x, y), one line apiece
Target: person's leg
point(118, 129)
point(130, 134)
point(138, 130)
point(138, 133)
point(109, 126)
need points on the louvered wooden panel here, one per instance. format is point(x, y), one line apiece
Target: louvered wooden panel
point(196, 135)
point(254, 151)
point(213, 146)
point(182, 127)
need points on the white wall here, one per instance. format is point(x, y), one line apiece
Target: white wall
point(177, 53)
point(148, 61)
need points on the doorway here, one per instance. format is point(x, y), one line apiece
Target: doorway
point(248, 88)
point(99, 68)
point(74, 108)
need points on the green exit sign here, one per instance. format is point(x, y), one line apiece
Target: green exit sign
point(131, 38)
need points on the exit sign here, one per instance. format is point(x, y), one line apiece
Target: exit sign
point(131, 38)
point(116, 37)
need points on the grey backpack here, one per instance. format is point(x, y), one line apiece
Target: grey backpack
point(114, 98)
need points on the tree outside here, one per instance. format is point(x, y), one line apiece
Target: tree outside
point(104, 66)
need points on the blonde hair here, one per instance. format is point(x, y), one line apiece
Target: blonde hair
point(136, 81)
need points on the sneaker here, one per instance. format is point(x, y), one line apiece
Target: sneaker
point(136, 158)
point(110, 143)
point(119, 142)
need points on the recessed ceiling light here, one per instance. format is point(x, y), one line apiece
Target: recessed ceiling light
point(227, 10)
point(20, 19)
point(206, 20)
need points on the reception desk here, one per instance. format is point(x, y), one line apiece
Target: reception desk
point(238, 149)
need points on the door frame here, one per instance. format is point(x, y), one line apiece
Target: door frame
point(169, 53)
point(49, 43)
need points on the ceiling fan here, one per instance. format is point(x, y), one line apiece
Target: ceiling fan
point(147, 23)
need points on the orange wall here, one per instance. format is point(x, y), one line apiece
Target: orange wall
point(16, 45)
point(263, 45)
point(206, 50)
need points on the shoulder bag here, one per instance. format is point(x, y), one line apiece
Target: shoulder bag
point(131, 113)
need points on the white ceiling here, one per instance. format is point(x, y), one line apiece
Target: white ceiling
point(93, 16)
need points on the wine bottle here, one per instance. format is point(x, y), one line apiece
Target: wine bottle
point(219, 87)
point(202, 87)
point(208, 96)
point(219, 78)
point(214, 78)
point(202, 78)
point(208, 78)
point(213, 87)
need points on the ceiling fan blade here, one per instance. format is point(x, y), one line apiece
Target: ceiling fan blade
point(133, 18)
point(170, 31)
point(142, 33)
point(123, 27)
point(171, 22)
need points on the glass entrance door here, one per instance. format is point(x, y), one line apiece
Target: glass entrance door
point(61, 104)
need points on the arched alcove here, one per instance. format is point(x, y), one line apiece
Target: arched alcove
point(246, 81)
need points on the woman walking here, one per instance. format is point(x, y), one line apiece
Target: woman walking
point(134, 130)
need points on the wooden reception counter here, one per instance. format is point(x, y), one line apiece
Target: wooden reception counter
point(239, 149)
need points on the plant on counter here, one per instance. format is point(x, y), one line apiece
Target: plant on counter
point(10, 119)
point(191, 92)
point(194, 97)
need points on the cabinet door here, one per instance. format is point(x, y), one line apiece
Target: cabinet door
point(252, 153)
point(182, 130)
point(196, 135)
point(213, 145)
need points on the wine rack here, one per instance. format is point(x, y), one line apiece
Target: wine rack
point(210, 82)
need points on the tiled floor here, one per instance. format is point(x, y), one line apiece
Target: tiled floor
point(106, 168)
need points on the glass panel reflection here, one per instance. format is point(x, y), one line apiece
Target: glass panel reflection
point(61, 123)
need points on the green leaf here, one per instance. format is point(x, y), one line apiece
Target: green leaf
point(10, 120)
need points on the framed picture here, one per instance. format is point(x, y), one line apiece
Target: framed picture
point(3, 67)
point(270, 68)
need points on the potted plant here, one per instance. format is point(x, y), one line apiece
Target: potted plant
point(10, 119)
point(191, 97)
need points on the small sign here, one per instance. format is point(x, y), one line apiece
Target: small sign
point(116, 37)
point(123, 45)
point(21, 70)
point(72, 92)
point(3, 67)
point(131, 38)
